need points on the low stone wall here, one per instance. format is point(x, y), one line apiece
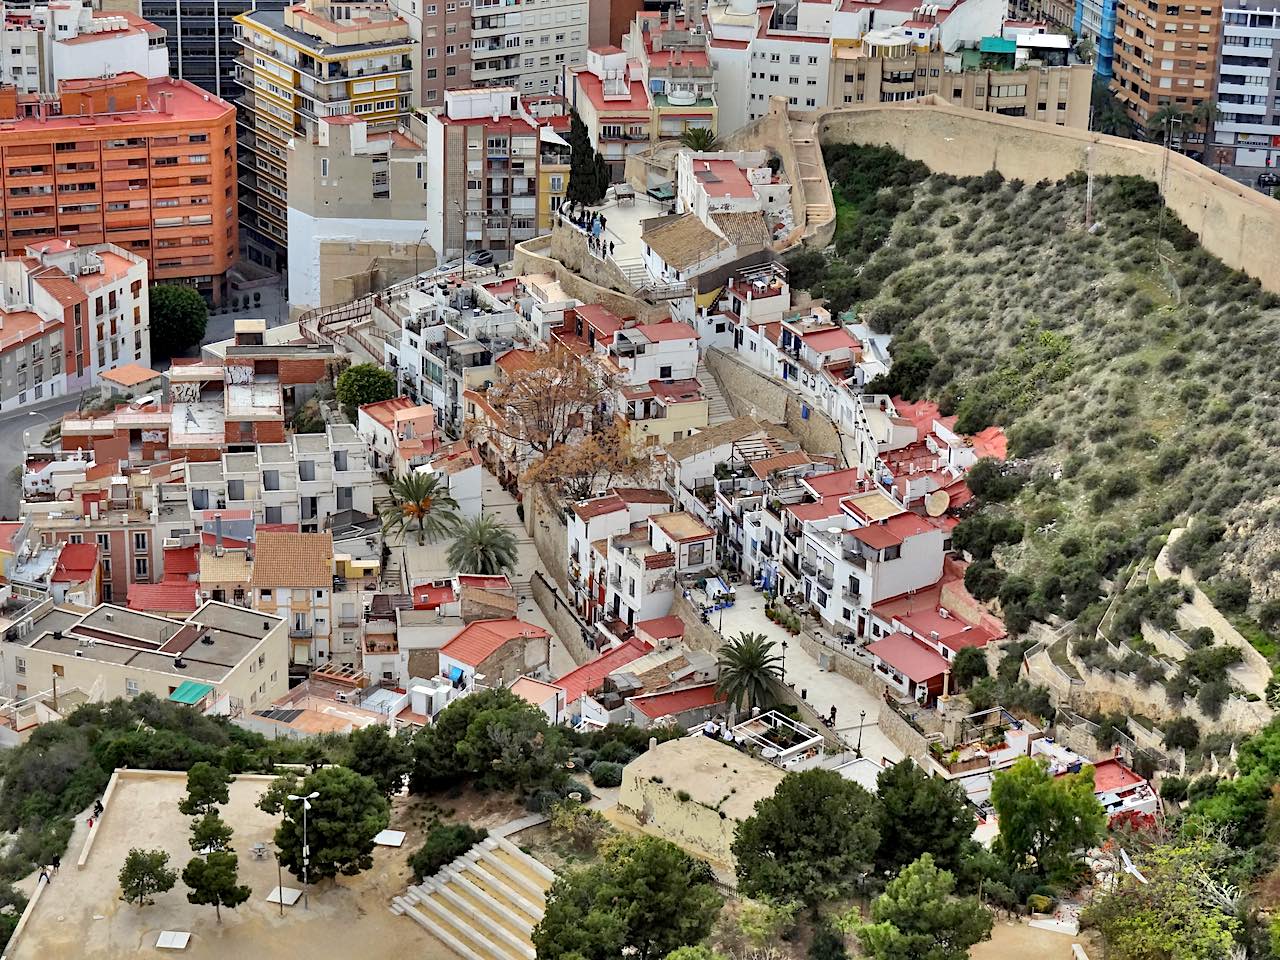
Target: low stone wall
point(844, 664)
point(808, 715)
point(569, 627)
point(697, 635)
point(901, 734)
point(751, 393)
point(536, 256)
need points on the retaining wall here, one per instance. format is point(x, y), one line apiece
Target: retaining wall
point(1235, 223)
point(569, 627)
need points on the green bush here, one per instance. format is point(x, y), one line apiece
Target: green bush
point(445, 843)
point(606, 774)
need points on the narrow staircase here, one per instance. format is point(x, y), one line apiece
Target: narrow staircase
point(717, 406)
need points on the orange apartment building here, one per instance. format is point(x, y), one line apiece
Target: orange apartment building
point(1166, 54)
point(148, 165)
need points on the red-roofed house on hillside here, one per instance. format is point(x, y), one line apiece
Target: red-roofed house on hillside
point(401, 434)
point(580, 684)
point(495, 652)
point(685, 708)
point(591, 524)
point(76, 575)
point(643, 564)
point(909, 666)
point(672, 62)
point(68, 315)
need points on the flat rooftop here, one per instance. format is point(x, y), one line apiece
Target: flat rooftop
point(712, 773)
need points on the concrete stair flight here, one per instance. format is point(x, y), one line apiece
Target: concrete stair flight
point(717, 406)
point(484, 905)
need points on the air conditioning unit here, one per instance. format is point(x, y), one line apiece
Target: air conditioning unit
point(342, 697)
point(205, 595)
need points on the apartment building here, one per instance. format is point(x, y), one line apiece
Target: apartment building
point(306, 62)
point(356, 199)
point(293, 580)
point(885, 66)
point(212, 406)
point(43, 45)
point(1166, 54)
point(68, 314)
point(643, 565)
point(1244, 134)
point(591, 525)
point(221, 659)
point(303, 482)
point(147, 165)
point(484, 153)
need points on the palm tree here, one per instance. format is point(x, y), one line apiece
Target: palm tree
point(420, 503)
point(1162, 124)
point(1203, 116)
point(699, 139)
point(483, 546)
point(748, 666)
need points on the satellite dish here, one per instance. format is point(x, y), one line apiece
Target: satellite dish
point(936, 503)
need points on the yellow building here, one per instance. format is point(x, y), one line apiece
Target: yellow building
point(298, 65)
point(661, 411)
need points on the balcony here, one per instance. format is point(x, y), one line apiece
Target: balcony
point(826, 581)
point(856, 558)
point(301, 633)
point(790, 565)
point(809, 567)
point(850, 594)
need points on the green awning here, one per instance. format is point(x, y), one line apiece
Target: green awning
point(190, 692)
point(997, 45)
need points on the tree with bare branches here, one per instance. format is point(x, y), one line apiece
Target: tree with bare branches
point(593, 462)
point(552, 397)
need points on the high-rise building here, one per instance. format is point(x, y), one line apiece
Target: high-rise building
point(148, 165)
point(528, 47)
point(1244, 133)
point(299, 65)
point(1166, 54)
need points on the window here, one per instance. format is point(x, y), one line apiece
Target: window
point(104, 542)
point(130, 688)
point(324, 166)
point(264, 594)
point(697, 554)
point(139, 541)
point(795, 58)
point(59, 670)
point(140, 568)
point(20, 666)
point(664, 373)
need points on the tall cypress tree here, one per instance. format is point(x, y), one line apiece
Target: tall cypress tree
point(588, 171)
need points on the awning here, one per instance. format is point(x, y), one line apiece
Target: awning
point(455, 674)
point(190, 692)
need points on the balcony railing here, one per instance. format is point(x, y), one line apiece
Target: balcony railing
point(301, 633)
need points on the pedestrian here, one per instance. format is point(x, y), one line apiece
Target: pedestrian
point(833, 715)
point(44, 875)
point(57, 862)
point(611, 248)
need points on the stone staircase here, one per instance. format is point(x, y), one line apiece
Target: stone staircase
point(484, 905)
point(717, 406)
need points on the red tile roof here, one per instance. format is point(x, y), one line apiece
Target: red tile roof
point(182, 561)
point(662, 628)
point(909, 656)
point(427, 597)
point(922, 414)
point(667, 330)
point(75, 563)
point(839, 482)
point(7, 530)
point(826, 341)
point(588, 677)
point(483, 638)
point(598, 507)
point(384, 411)
point(164, 597)
point(606, 107)
point(722, 178)
point(766, 465)
point(655, 706)
point(820, 510)
point(991, 442)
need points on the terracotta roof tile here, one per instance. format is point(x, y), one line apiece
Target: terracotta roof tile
point(293, 560)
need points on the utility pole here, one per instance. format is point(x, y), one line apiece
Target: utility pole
point(1088, 188)
point(306, 850)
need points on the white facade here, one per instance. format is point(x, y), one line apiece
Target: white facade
point(304, 481)
point(1248, 74)
point(653, 353)
point(530, 47)
point(44, 45)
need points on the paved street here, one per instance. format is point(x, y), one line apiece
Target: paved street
point(821, 689)
point(428, 563)
point(35, 417)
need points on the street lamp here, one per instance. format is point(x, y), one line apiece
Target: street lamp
point(784, 663)
point(306, 851)
point(462, 219)
point(26, 441)
point(862, 718)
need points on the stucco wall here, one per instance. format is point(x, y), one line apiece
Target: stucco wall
point(1233, 222)
point(556, 609)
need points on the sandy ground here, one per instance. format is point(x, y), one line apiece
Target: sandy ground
point(1017, 941)
point(81, 915)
